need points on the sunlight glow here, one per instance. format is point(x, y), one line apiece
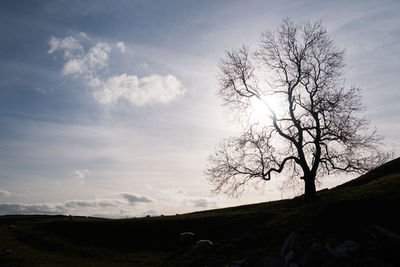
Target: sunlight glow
point(259, 111)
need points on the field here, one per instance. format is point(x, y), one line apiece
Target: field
point(254, 231)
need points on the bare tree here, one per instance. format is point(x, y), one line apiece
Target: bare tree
point(316, 131)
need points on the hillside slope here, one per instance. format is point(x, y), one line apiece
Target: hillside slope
point(388, 168)
point(252, 231)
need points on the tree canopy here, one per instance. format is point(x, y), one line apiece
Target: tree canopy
point(310, 124)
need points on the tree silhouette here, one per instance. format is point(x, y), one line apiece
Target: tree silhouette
point(317, 128)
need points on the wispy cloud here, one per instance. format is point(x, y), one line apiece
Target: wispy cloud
point(179, 197)
point(110, 207)
point(78, 204)
point(40, 90)
point(89, 65)
point(80, 62)
point(121, 46)
point(80, 174)
point(133, 199)
point(4, 193)
point(139, 91)
point(70, 45)
point(6, 209)
point(203, 203)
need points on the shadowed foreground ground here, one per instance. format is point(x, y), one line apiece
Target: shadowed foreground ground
point(252, 231)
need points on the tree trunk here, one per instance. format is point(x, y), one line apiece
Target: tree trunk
point(309, 190)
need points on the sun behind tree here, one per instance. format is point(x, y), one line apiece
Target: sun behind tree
point(316, 130)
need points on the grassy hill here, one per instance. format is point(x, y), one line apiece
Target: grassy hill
point(250, 231)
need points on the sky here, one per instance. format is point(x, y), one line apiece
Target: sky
point(109, 108)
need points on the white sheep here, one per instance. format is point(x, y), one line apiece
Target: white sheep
point(204, 244)
point(187, 237)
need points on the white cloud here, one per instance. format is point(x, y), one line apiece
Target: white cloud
point(121, 46)
point(74, 66)
point(87, 65)
point(83, 36)
point(80, 174)
point(93, 81)
point(140, 91)
point(77, 60)
point(97, 56)
point(69, 45)
point(4, 193)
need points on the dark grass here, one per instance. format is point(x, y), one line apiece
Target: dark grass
point(250, 231)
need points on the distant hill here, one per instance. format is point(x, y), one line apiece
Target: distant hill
point(348, 215)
